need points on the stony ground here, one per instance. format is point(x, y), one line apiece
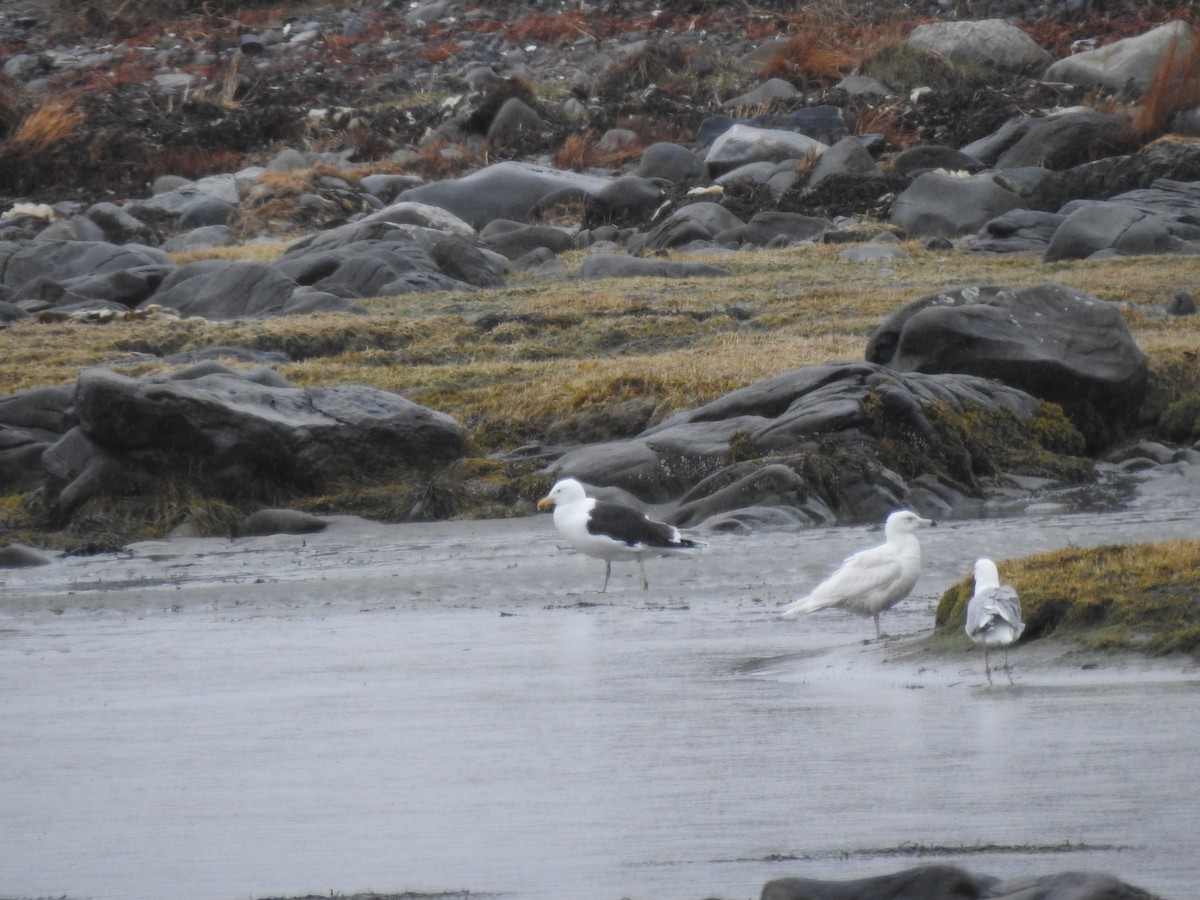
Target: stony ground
point(107, 96)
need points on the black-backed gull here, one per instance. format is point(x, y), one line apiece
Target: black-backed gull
point(611, 531)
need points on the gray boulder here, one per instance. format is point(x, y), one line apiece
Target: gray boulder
point(507, 190)
point(118, 225)
point(306, 301)
point(743, 144)
point(410, 217)
point(386, 185)
point(465, 262)
point(74, 228)
point(695, 221)
point(1094, 227)
point(628, 198)
point(235, 438)
point(29, 423)
point(938, 882)
point(1176, 202)
point(1067, 886)
point(514, 239)
point(847, 157)
point(223, 289)
point(1019, 231)
point(386, 254)
point(824, 124)
point(1050, 341)
point(1066, 139)
point(991, 44)
point(915, 161)
point(513, 118)
point(752, 486)
point(208, 201)
point(10, 312)
point(61, 261)
point(937, 205)
point(771, 89)
point(1130, 62)
point(798, 420)
point(22, 556)
point(670, 162)
point(363, 269)
point(202, 238)
point(920, 883)
point(127, 288)
point(768, 226)
point(874, 252)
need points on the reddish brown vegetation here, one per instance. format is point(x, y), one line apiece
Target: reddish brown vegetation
point(111, 131)
point(1175, 87)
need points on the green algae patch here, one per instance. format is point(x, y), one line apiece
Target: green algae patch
point(965, 444)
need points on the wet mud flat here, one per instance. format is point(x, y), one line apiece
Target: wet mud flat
point(453, 707)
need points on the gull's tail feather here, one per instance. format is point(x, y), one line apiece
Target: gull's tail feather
point(808, 604)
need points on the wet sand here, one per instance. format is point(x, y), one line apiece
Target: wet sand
point(453, 706)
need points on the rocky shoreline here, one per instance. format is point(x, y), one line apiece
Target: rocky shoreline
point(503, 167)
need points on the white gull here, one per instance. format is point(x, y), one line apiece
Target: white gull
point(870, 581)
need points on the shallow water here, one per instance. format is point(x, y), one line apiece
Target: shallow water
point(453, 707)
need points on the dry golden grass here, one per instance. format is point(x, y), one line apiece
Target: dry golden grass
point(511, 363)
point(49, 124)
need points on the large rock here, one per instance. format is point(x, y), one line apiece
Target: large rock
point(1051, 341)
point(938, 882)
point(699, 221)
point(225, 289)
point(29, 423)
point(669, 162)
point(1019, 231)
point(919, 883)
point(947, 206)
point(61, 261)
point(824, 123)
point(991, 44)
point(743, 144)
point(208, 201)
point(1161, 218)
point(829, 426)
point(236, 438)
point(848, 156)
point(1066, 139)
point(1131, 62)
point(507, 190)
point(1095, 227)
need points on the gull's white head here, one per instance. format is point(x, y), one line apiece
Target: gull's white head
point(986, 575)
point(568, 490)
point(905, 521)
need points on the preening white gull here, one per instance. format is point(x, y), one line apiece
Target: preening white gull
point(870, 581)
point(611, 531)
point(993, 614)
